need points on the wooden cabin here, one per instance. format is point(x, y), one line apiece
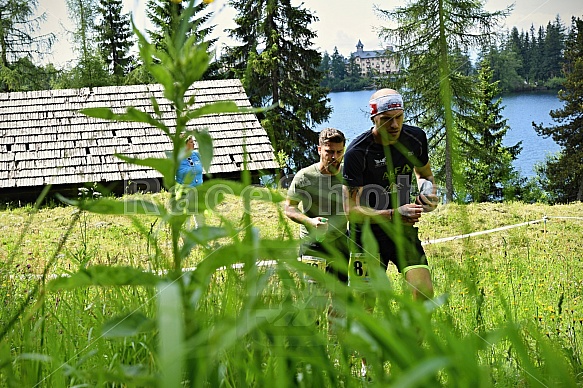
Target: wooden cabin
point(44, 140)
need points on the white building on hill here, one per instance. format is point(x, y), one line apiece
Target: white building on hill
point(374, 62)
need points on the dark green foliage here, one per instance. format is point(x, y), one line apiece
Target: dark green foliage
point(20, 46)
point(278, 67)
point(90, 71)
point(341, 74)
point(24, 75)
point(564, 173)
point(526, 61)
point(506, 66)
point(164, 15)
point(552, 49)
point(431, 36)
point(114, 37)
point(488, 169)
point(338, 65)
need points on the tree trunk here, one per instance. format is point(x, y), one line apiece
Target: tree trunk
point(445, 94)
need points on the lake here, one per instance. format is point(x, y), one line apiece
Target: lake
point(350, 115)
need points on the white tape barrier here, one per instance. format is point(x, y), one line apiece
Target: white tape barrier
point(565, 217)
point(461, 236)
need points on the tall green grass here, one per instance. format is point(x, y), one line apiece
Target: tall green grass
point(507, 313)
point(98, 295)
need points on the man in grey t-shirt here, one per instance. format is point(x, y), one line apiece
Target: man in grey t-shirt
point(314, 201)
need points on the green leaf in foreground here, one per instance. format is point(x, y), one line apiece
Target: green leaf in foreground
point(213, 108)
point(205, 148)
point(163, 165)
point(101, 275)
point(127, 325)
point(132, 114)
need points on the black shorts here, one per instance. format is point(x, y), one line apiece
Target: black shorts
point(336, 252)
point(410, 252)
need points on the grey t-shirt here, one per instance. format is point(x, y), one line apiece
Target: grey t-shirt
point(320, 195)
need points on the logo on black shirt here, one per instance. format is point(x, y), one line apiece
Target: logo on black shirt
point(380, 162)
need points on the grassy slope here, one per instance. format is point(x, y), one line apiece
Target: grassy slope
point(531, 274)
point(115, 240)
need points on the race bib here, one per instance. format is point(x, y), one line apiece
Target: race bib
point(358, 269)
point(313, 261)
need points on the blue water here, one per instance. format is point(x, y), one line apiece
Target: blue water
point(350, 115)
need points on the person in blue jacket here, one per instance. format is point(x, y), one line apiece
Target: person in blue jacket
point(189, 172)
point(189, 175)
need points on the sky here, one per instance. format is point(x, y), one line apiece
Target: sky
point(341, 24)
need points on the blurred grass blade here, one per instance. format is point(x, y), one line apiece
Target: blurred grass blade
point(423, 375)
point(113, 206)
point(171, 335)
point(102, 275)
point(127, 325)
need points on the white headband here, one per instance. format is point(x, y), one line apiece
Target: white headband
point(385, 103)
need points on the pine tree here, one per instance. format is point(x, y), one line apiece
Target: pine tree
point(338, 65)
point(164, 15)
point(564, 173)
point(505, 64)
point(428, 34)
point(535, 57)
point(553, 47)
point(90, 70)
point(18, 44)
point(353, 68)
point(324, 68)
point(114, 37)
point(279, 68)
point(482, 138)
point(526, 56)
point(515, 44)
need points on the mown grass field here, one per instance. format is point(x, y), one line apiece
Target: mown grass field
point(508, 309)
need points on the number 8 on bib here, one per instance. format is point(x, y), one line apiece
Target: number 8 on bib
point(358, 269)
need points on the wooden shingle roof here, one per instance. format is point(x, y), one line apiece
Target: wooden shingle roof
point(45, 140)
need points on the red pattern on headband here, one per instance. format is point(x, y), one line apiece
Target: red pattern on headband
point(385, 103)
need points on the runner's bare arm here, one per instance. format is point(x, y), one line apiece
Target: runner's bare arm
point(356, 212)
point(293, 212)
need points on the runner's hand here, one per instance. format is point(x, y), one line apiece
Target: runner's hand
point(429, 202)
point(410, 213)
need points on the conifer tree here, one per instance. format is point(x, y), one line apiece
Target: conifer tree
point(164, 15)
point(90, 70)
point(488, 169)
point(552, 49)
point(564, 173)
point(19, 45)
point(114, 37)
point(534, 57)
point(506, 65)
point(279, 68)
point(338, 65)
point(428, 36)
point(353, 68)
